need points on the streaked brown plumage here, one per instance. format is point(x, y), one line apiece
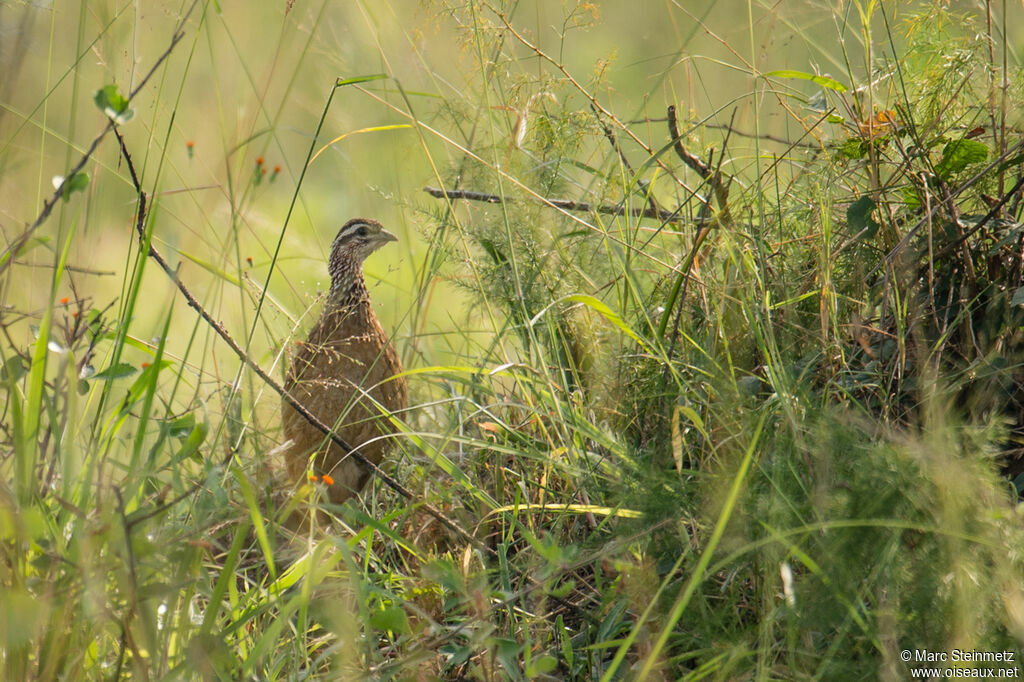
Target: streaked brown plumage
point(345, 366)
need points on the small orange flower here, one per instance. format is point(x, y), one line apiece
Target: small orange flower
point(74, 314)
point(313, 478)
point(263, 170)
point(328, 480)
point(259, 160)
point(190, 144)
point(248, 259)
point(146, 364)
point(277, 169)
point(64, 301)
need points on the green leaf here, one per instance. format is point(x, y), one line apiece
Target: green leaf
point(563, 633)
point(1018, 484)
point(854, 148)
point(507, 651)
point(22, 617)
point(610, 315)
point(29, 524)
point(542, 665)
point(823, 81)
point(110, 97)
point(960, 154)
point(112, 103)
point(911, 199)
point(76, 183)
point(182, 426)
point(211, 267)
point(190, 448)
point(118, 371)
point(14, 369)
point(1012, 162)
point(36, 241)
point(144, 381)
point(858, 217)
point(457, 654)
point(392, 619)
point(361, 79)
point(563, 590)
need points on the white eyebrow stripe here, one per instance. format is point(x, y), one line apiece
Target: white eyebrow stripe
point(351, 229)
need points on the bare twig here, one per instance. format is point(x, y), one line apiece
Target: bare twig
point(682, 152)
point(69, 268)
point(194, 303)
point(503, 173)
point(702, 234)
point(739, 133)
point(564, 204)
point(712, 177)
point(730, 130)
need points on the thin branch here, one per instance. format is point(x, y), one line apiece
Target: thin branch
point(738, 133)
point(194, 303)
point(69, 268)
point(698, 240)
point(563, 204)
point(712, 177)
point(682, 152)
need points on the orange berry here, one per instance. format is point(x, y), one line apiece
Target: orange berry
point(64, 301)
point(313, 478)
point(146, 364)
point(259, 160)
point(328, 480)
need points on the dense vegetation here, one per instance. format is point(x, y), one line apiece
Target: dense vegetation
point(724, 388)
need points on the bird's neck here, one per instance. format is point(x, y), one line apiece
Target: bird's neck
point(348, 289)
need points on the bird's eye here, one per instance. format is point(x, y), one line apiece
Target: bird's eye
point(361, 231)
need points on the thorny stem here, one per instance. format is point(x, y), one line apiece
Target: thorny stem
point(278, 388)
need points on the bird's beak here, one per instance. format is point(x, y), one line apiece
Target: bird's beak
point(384, 237)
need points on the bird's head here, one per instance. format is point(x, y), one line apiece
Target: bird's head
point(356, 240)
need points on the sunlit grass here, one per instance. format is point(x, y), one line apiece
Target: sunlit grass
point(774, 436)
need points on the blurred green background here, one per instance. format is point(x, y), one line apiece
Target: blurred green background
point(250, 80)
point(690, 468)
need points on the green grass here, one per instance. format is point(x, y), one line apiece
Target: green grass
point(774, 434)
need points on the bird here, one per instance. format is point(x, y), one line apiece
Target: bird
point(343, 373)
